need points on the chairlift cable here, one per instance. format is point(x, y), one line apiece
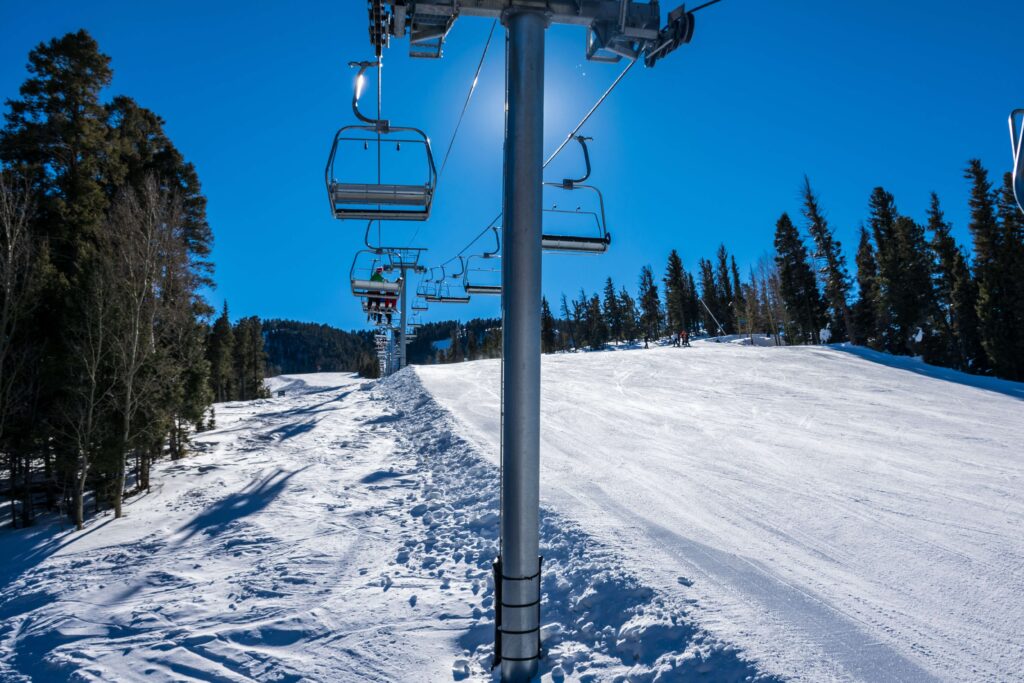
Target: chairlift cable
point(469, 96)
point(706, 4)
point(558, 151)
point(462, 114)
point(572, 134)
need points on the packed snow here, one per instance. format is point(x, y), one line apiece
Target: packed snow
point(721, 512)
point(837, 513)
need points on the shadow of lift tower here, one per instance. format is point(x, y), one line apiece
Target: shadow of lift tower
point(615, 29)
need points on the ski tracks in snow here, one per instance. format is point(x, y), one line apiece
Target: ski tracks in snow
point(599, 622)
point(344, 532)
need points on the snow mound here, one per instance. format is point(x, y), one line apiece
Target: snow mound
point(600, 623)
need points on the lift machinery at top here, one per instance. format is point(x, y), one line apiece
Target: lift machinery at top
point(615, 28)
point(1017, 146)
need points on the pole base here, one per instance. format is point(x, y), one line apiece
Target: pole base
point(519, 664)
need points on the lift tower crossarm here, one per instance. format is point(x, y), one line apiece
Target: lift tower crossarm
point(615, 28)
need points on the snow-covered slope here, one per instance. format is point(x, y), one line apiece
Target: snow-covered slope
point(837, 513)
point(340, 533)
point(720, 513)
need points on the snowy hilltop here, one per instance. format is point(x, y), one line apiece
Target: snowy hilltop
point(719, 513)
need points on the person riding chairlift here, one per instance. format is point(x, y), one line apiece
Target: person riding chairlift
point(376, 301)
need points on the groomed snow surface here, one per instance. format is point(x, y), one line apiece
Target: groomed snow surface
point(721, 512)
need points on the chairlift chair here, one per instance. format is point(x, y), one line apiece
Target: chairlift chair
point(599, 240)
point(364, 265)
point(1017, 146)
point(443, 295)
point(378, 201)
point(485, 278)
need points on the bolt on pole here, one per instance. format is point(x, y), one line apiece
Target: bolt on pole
point(521, 304)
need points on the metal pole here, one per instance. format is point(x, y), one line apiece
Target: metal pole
point(401, 338)
point(521, 303)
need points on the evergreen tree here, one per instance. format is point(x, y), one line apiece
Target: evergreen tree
point(956, 296)
point(799, 287)
point(711, 309)
point(454, 354)
point(882, 220)
point(579, 323)
point(650, 305)
point(739, 296)
point(693, 307)
point(117, 210)
point(220, 353)
point(571, 329)
point(597, 330)
point(676, 294)
point(249, 360)
point(912, 298)
point(725, 296)
point(832, 271)
point(993, 266)
point(865, 311)
point(547, 327)
point(1011, 223)
point(612, 312)
point(630, 316)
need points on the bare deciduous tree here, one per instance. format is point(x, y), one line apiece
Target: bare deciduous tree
point(142, 225)
point(90, 391)
point(16, 281)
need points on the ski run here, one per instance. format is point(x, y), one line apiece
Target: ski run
point(718, 513)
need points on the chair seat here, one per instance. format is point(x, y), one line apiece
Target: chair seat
point(485, 290)
point(388, 195)
point(594, 245)
point(376, 286)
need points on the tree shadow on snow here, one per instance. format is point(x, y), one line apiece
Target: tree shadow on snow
point(288, 431)
point(311, 409)
point(28, 548)
point(250, 500)
point(919, 367)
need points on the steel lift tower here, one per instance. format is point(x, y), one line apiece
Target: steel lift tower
point(615, 29)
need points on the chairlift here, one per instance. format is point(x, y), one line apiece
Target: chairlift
point(378, 201)
point(484, 278)
point(366, 266)
point(595, 243)
point(1017, 146)
point(398, 258)
point(442, 294)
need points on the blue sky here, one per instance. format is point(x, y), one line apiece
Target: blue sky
point(710, 146)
